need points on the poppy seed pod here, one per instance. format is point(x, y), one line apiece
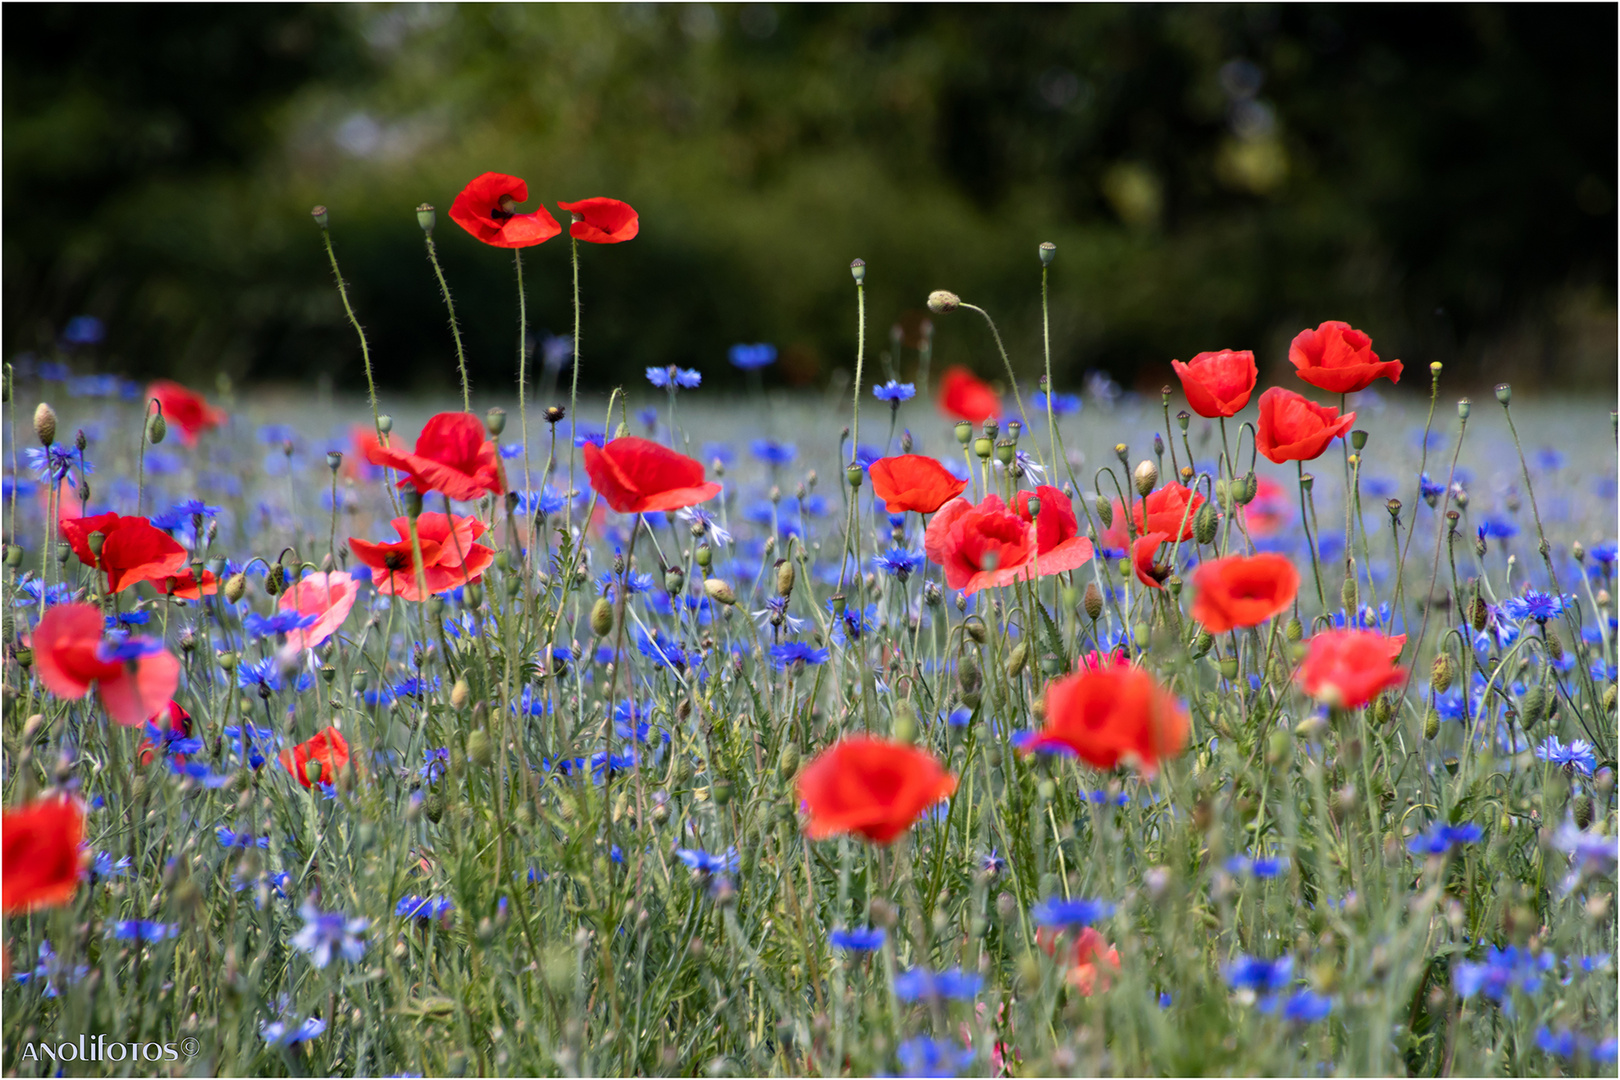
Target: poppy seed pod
point(857, 270)
point(853, 473)
point(495, 420)
point(1048, 252)
point(319, 214)
point(45, 424)
point(459, 694)
point(1146, 477)
point(1504, 394)
point(426, 218)
point(1358, 439)
point(705, 555)
point(1464, 407)
point(964, 432)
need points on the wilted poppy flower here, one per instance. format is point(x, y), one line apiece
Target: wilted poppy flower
point(637, 476)
point(1218, 383)
point(1294, 428)
point(602, 221)
point(172, 719)
point(1348, 668)
point(1145, 559)
point(1170, 510)
point(872, 787)
point(1339, 359)
point(40, 854)
point(980, 546)
point(134, 677)
point(913, 482)
point(964, 396)
point(1117, 714)
point(448, 558)
point(1058, 543)
point(185, 410)
point(327, 748)
point(1242, 590)
point(487, 208)
point(327, 596)
point(452, 455)
point(133, 550)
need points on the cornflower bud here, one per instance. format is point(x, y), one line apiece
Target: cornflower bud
point(45, 424)
point(1146, 477)
point(940, 301)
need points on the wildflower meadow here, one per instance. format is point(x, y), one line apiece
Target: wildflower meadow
point(939, 722)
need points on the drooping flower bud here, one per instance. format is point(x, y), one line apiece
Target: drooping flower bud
point(1204, 524)
point(1442, 672)
point(941, 300)
point(1105, 512)
point(785, 577)
point(235, 586)
point(45, 424)
point(157, 428)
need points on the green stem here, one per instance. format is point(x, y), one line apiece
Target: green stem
point(455, 329)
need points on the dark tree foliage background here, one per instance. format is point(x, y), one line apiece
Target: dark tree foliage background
point(1443, 177)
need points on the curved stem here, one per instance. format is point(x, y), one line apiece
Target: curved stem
point(455, 329)
point(1006, 362)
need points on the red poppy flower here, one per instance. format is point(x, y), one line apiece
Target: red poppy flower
point(1269, 511)
point(637, 476)
point(1243, 590)
point(175, 719)
point(327, 748)
point(913, 482)
point(1145, 559)
point(1096, 661)
point(1336, 358)
point(40, 854)
point(487, 208)
point(872, 787)
point(1218, 383)
point(1058, 543)
point(183, 586)
point(133, 550)
point(1170, 509)
point(448, 558)
point(602, 221)
point(1348, 668)
point(1091, 960)
point(184, 409)
point(452, 455)
point(1294, 428)
point(134, 677)
point(980, 546)
point(327, 596)
point(964, 396)
point(1118, 714)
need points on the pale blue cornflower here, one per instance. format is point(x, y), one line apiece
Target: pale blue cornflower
point(1577, 757)
point(894, 392)
point(753, 357)
point(672, 377)
point(326, 933)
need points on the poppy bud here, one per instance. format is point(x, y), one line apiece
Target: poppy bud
point(319, 214)
point(274, 579)
point(719, 591)
point(1583, 811)
point(495, 420)
point(413, 503)
point(1048, 252)
point(721, 790)
point(45, 424)
point(1555, 645)
point(1204, 524)
point(1015, 662)
point(1477, 613)
point(235, 586)
point(1279, 748)
point(95, 541)
point(14, 556)
point(1093, 601)
point(156, 428)
point(857, 270)
point(785, 575)
point(385, 423)
point(1105, 512)
point(904, 725)
point(473, 595)
point(459, 693)
point(1202, 644)
point(1463, 408)
point(1532, 706)
point(1229, 668)
point(1442, 672)
point(1348, 594)
point(1146, 477)
point(1504, 394)
point(940, 301)
point(480, 748)
point(425, 217)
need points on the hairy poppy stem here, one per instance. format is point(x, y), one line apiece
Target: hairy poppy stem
point(348, 309)
point(455, 328)
point(1305, 523)
point(1046, 343)
point(573, 390)
point(523, 365)
point(1006, 361)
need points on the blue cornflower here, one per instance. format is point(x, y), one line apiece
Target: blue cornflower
point(1062, 404)
point(52, 463)
point(898, 562)
point(922, 1056)
point(120, 647)
point(776, 608)
point(195, 508)
point(701, 522)
point(1560, 1044)
point(229, 839)
point(1535, 605)
point(32, 590)
point(772, 452)
point(959, 717)
point(128, 618)
point(1252, 973)
point(199, 772)
point(1264, 867)
point(589, 433)
point(103, 866)
point(705, 863)
point(1576, 757)
point(1075, 913)
point(1498, 528)
point(1605, 552)
point(1502, 971)
point(327, 932)
point(671, 377)
point(144, 930)
point(282, 622)
point(422, 907)
point(277, 1033)
point(858, 939)
point(49, 970)
point(662, 652)
point(84, 330)
point(169, 740)
point(992, 865)
point(894, 392)
point(545, 501)
point(1443, 838)
point(953, 983)
point(255, 673)
point(790, 652)
point(434, 762)
point(753, 357)
point(1302, 1006)
point(1430, 489)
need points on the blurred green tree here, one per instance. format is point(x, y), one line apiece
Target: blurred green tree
point(1212, 175)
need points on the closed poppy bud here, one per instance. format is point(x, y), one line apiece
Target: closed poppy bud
point(480, 748)
point(719, 591)
point(1015, 661)
point(459, 694)
point(1442, 672)
point(1146, 477)
point(1478, 612)
point(904, 725)
point(674, 580)
point(784, 577)
point(1431, 724)
point(1093, 602)
point(157, 428)
point(942, 300)
point(235, 586)
point(1105, 512)
point(426, 218)
point(45, 424)
point(1348, 594)
point(1204, 523)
